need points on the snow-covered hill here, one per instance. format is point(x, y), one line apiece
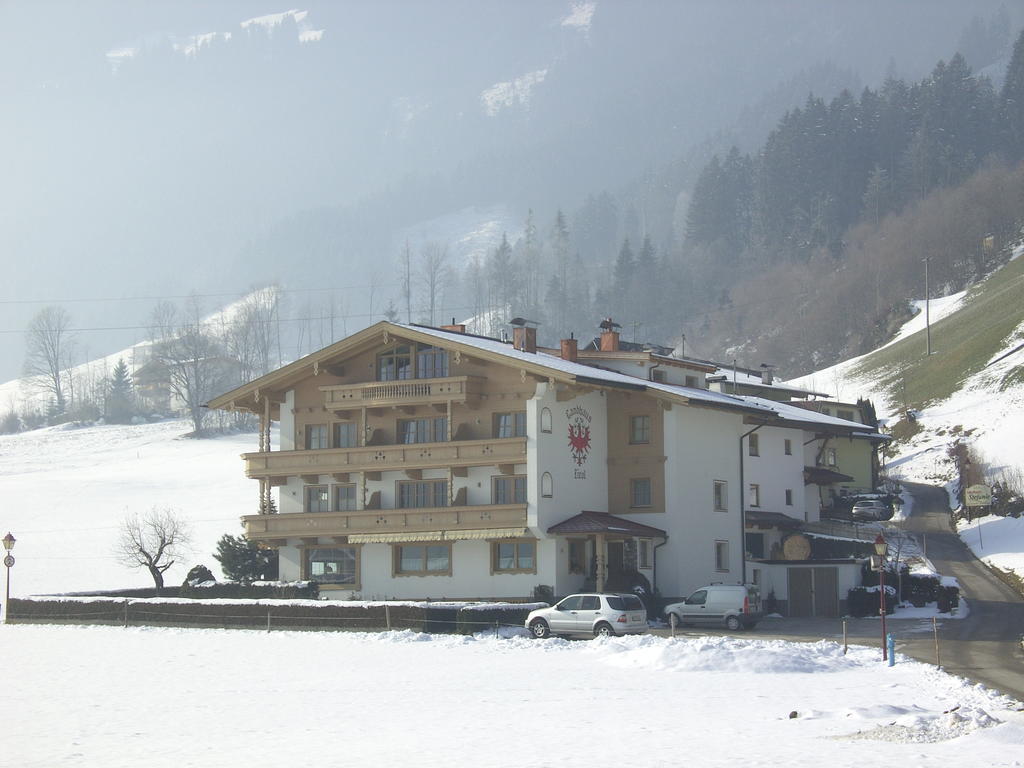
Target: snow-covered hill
point(986, 409)
point(66, 489)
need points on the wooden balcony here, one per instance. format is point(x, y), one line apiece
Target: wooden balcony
point(408, 392)
point(383, 458)
point(434, 520)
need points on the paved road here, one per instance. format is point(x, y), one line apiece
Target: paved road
point(985, 646)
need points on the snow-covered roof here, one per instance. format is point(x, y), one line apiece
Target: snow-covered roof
point(747, 378)
point(796, 413)
point(586, 372)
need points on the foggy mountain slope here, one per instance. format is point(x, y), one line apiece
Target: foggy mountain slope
point(217, 154)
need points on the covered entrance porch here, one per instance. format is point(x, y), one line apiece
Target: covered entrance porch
point(608, 553)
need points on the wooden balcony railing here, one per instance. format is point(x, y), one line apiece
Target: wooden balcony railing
point(408, 392)
point(382, 458)
point(308, 524)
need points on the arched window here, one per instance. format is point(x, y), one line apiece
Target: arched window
point(546, 486)
point(545, 420)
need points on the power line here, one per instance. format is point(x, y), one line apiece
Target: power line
point(237, 294)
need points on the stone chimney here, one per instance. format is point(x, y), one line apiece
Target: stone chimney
point(524, 334)
point(570, 348)
point(766, 374)
point(609, 335)
point(454, 327)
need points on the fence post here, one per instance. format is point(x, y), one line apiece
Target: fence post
point(845, 643)
point(890, 642)
point(672, 623)
point(268, 618)
point(126, 612)
point(387, 616)
point(495, 627)
point(935, 631)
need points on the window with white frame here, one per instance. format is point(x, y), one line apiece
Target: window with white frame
point(547, 487)
point(317, 498)
point(518, 556)
point(640, 492)
point(754, 495)
point(789, 497)
point(316, 437)
point(721, 496)
point(395, 364)
point(643, 553)
point(423, 559)
point(830, 457)
point(545, 420)
point(754, 444)
point(787, 446)
point(344, 497)
point(722, 556)
point(639, 429)
point(508, 489)
point(512, 424)
point(414, 494)
point(336, 565)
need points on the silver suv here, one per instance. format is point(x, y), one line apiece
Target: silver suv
point(590, 614)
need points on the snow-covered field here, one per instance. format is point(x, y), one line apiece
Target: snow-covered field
point(66, 489)
point(173, 697)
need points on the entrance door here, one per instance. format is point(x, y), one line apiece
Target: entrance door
point(801, 592)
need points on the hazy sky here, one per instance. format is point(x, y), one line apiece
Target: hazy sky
point(154, 148)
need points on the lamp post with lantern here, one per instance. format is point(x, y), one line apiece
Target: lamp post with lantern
point(8, 562)
point(881, 549)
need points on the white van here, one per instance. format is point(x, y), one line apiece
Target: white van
point(734, 606)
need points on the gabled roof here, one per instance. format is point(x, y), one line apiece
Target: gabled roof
point(536, 363)
point(602, 522)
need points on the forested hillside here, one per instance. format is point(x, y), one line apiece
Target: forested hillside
point(801, 252)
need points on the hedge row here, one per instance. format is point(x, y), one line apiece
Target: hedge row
point(321, 616)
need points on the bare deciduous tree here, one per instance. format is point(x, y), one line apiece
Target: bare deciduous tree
point(434, 273)
point(48, 352)
point(154, 541)
point(191, 357)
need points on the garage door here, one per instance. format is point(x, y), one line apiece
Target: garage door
point(813, 592)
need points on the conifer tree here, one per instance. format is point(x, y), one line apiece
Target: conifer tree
point(1012, 104)
point(120, 397)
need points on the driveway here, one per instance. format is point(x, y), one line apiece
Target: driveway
point(984, 647)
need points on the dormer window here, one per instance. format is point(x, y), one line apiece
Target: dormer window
point(411, 361)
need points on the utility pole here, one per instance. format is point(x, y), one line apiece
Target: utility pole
point(927, 312)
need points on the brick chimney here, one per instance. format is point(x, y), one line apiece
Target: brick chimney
point(524, 338)
point(454, 327)
point(570, 348)
point(609, 335)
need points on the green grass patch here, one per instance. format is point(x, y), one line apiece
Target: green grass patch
point(962, 343)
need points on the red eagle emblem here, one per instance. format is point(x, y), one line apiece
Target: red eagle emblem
point(579, 442)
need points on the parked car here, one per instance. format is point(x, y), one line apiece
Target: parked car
point(872, 509)
point(734, 606)
point(590, 614)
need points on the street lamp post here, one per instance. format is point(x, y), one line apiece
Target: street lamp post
point(881, 549)
point(8, 562)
